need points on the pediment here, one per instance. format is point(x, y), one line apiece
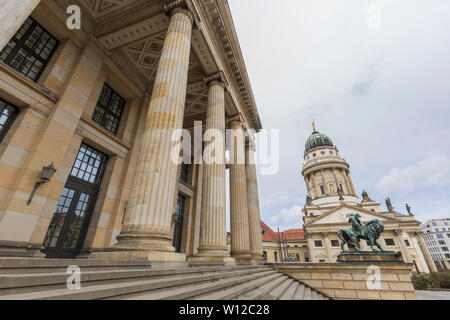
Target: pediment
point(339, 215)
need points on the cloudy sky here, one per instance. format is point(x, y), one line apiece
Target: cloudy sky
point(382, 95)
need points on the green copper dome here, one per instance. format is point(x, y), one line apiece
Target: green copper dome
point(317, 139)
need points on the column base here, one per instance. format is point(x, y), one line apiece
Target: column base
point(258, 258)
point(242, 257)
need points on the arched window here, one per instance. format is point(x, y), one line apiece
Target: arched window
point(275, 254)
point(265, 255)
point(331, 188)
point(322, 190)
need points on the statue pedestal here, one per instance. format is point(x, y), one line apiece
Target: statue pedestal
point(370, 256)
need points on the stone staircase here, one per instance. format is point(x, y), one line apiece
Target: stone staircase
point(45, 279)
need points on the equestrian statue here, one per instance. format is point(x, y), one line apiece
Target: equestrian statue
point(370, 232)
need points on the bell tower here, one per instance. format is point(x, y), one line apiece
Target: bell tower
point(326, 173)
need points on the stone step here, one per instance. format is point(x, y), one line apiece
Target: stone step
point(116, 289)
point(195, 290)
point(290, 291)
point(34, 265)
point(233, 292)
point(307, 293)
point(300, 293)
point(25, 283)
point(278, 292)
point(258, 293)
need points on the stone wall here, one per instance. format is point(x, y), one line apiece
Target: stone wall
point(348, 281)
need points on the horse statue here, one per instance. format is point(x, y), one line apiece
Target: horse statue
point(370, 232)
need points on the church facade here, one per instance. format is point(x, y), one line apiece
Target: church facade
point(331, 197)
point(87, 117)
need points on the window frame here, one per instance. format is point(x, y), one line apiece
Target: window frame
point(20, 44)
point(107, 109)
point(10, 120)
point(316, 242)
point(387, 244)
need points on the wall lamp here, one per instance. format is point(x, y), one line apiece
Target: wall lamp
point(47, 174)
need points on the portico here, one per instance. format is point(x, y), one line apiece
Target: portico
point(104, 107)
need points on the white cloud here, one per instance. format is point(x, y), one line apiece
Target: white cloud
point(279, 198)
point(287, 218)
point(432, 171)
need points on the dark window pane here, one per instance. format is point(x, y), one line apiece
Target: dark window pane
point(108, 110)
point(30, 50)
point(7, 115)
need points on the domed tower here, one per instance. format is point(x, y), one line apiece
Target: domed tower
point(326, 173)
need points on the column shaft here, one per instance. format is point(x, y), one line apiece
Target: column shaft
point(240, 239)
point(148, 221)
point(13, 14)
point(426, 253)
point(327, 247)
point(213, 235)
point(256, 249)
point(403, 248)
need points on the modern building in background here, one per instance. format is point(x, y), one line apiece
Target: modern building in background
point(436, 233)
point(99, 105)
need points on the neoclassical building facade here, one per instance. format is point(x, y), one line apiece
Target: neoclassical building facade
point(100, 104)
point(332, 196)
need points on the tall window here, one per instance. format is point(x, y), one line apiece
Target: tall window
point(184, 172)
point(306, 257)
point(7, 115)
point(109, 109)
point(30, 50)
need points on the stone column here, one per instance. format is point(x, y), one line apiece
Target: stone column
point(404, 250)
point(13, 14)
point(351, 183)
point(327, 246)
point(213, 235)
point(311, 247)
point(254, 218)
point(347, 182)
point(426, 253)
point(239, 222)
point(146, 228)
point(308, 187)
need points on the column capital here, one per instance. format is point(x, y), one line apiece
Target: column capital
point(237, 120)
point(172, 7)
point(398, 232)
point(216, 78)
point(308, 235)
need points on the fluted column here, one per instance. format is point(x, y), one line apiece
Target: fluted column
point(351, 183)
point(308, 186)
point(403, 248)
point(426, 253)
point(13, 14)
point(327, 246)
point(147, 223)
point(311, 247)
point(347, 182)
point(239, 221)
point(254, 218)
point(213, 236)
